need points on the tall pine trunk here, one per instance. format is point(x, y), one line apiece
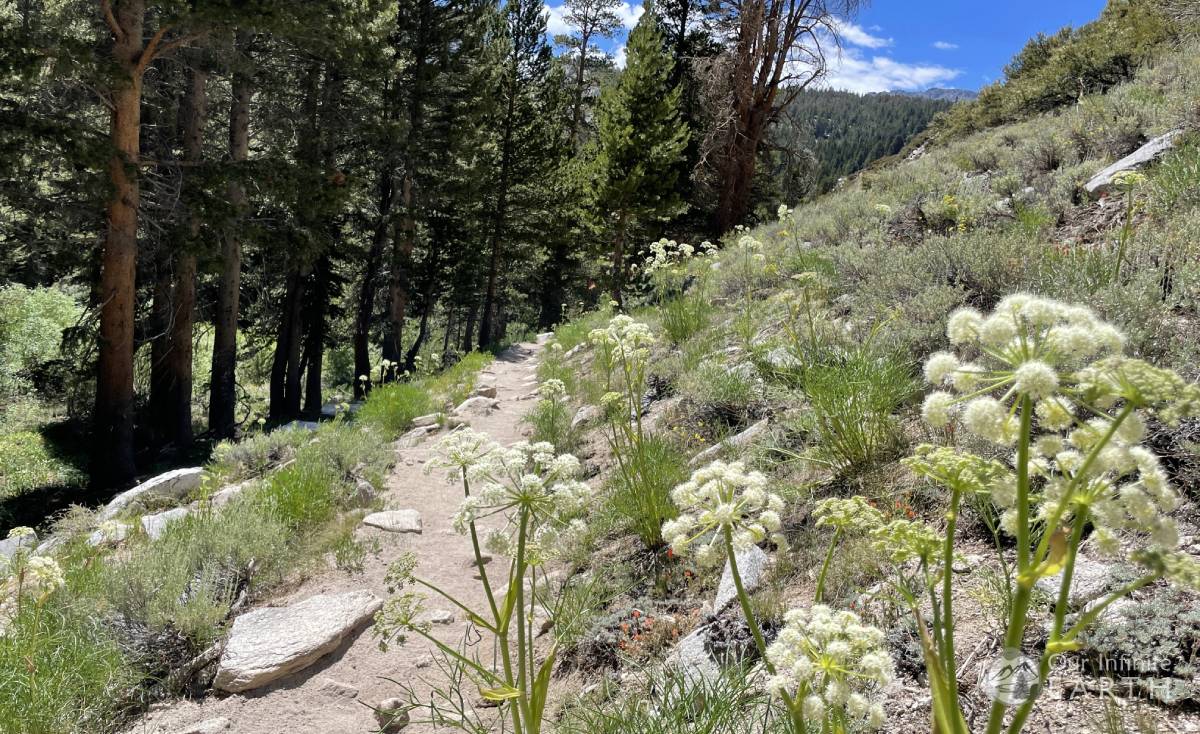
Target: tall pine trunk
point(178, 426)
point(366, 292)
point(222, 402)
point(314, 345)
point(402, 249)
point(113, 426)
point(487, 326)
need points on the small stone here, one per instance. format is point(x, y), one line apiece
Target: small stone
point(395, 521)
point(337, 689)
point(225, 495)
point(586, 414)
point(439, 616)
point(485, 391)
point(208, 726)
point(363, 495)
point(10, 546)
point(117, 533)
point(155, 525)
point(426, 420)
point(477, 405)
point(736, 442)
point(392, 715)
point(424, 662)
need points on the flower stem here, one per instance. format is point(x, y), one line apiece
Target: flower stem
point(948, 658)
point(1020, 603)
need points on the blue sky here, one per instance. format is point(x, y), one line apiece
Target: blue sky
point(913, 45)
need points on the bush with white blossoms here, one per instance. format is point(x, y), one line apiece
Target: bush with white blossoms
point(1048, 386)
point(533, 501)
point(830, 667)
point(622, 354)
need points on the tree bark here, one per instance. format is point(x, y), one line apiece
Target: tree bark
point(222, 402)
point(577, 113)
point(113, 420)
point(398, 283)
point(366, 292)
point(178, 425)
point(285, 390)
point(487, 326)
point(314, 347)
point(618, 259)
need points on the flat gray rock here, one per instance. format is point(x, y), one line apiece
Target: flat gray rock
point(10, 546)
point(1090, 580)
point(364, 493)
point(477, 405)
point(395, 521)
point(485, 391)
point(208, 726)
point(225, 495)
point(1101, 183)
point(741, 440)
point(117, 533)
point(155, 525)
point(423, 421)
point(752, 567)
point(175, 484)
point(692, 659)
point(337, 689)
point(270, 643)
point(414, 436)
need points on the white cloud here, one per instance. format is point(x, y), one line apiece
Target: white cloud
point(855, 35)
point(629, 13)
point(619, 57)
point(944, 45)
point(852, 72)
point(556, 22)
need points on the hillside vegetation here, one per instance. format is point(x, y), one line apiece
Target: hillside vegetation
point(919, 454)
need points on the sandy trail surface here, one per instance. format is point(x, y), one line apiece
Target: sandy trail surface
point(330, 697)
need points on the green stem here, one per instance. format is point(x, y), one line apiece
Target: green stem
point(518, 578)
point(819, 595)
point(487, 587)
point(794, 712)
point(949, 661)
point(1020, 605)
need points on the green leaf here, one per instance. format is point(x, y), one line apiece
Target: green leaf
point(541, 685)
point(499, 693)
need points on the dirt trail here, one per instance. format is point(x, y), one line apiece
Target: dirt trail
point(329, 697)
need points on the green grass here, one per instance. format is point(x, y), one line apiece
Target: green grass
point(29, 461)
point(390, 409)
point(641, 490)
point(852, 410)
point(685, 316)
point(61, 673)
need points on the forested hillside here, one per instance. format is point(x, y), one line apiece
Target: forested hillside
point(838, 133)
point(254, 208)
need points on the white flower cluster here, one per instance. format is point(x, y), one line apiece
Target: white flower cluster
point(718, 497)
point(44, 573)
point(1068, 364)
point(552, 389)
point(829, 662)
point(665, 253)
point(623, 338)
point(783, 212)
point(523, 476)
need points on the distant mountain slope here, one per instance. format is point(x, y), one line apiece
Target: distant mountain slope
point(843, 132)
point(943, 94)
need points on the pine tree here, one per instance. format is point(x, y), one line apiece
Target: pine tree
point(641, 144)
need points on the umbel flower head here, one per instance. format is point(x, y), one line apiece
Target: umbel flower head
point(829, 662)
point(1088, 403)
point(623, 338)
point(723, 497)
point(522, 477)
